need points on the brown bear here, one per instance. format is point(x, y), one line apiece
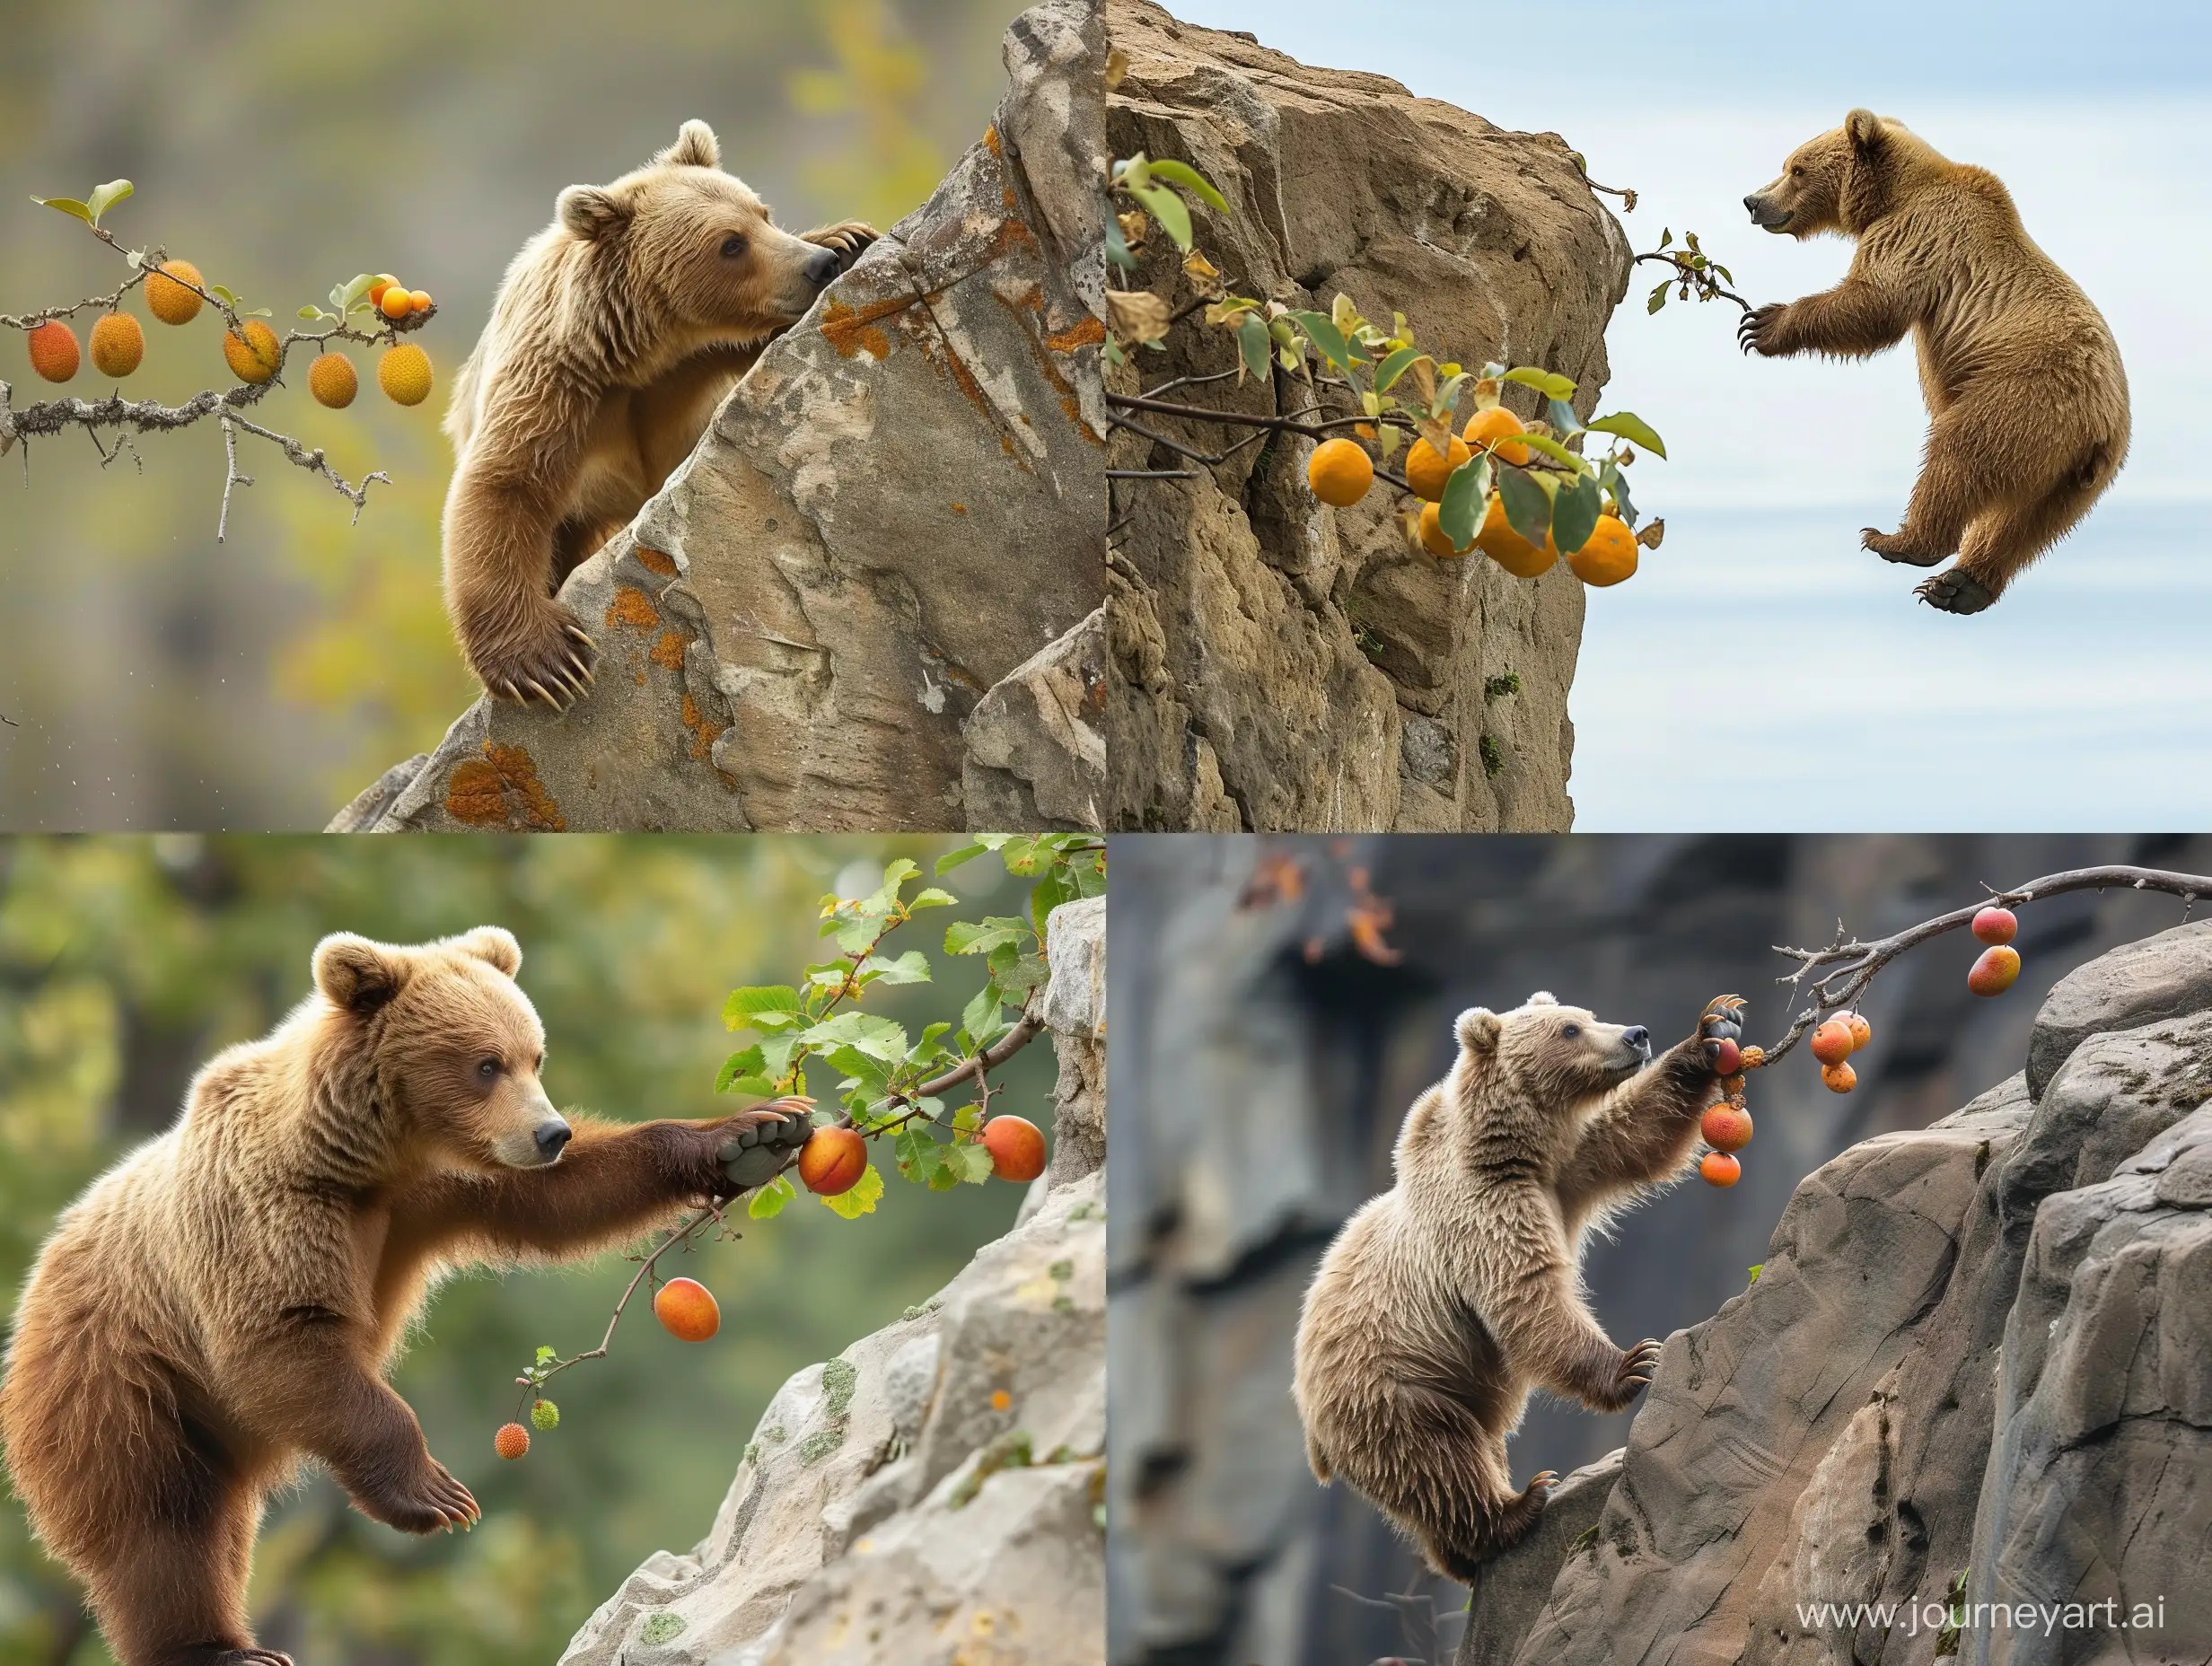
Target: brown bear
point(225, 1300)
point(1443, 1301)
point(2027, 399)
point(613, 338)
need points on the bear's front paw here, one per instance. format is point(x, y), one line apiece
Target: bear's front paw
point(1723, 1021)
point(848, 241)
point(756, 1143)
point(1955, 592)
point(427, 1501)
point(545, 656)
point(1896, 546)
point(1760, 331)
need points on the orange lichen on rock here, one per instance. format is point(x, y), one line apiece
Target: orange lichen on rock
point(704, 733)
point(502, 789)
point(1090, 333)
point(849, 329)
point(630, 608)
point(654, 561)
point(668, 652)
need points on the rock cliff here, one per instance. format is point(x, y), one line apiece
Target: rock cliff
point(934, 1493)
point(1280, 665)
point(874, 597)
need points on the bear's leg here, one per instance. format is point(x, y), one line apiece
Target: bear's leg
point(523, 643)
point(176, 1593)
point(1444, 1479)
point(1980, 453)
point(2001, 543)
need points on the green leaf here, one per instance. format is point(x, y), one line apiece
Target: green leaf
point(876, 1036)
point(1048, 894)
point(1547, 383)
point(547, 1355)
point(1610, 478)
point(66, 205)
point(973, 1161)
point(1629, 427)
point(1168, 209)
point(1133, 169)
point(969, 852)
point(768, 1202)
point(106, 197)
point(911, 968)
point(748, 1062)
point(980, 1019)
point(1757, 1269)
point(343, 296)
point(861, 1198)
point(778, 1001)
point(1574, 513)
point(1117, 245)
point(1563, 418)
point(1190, 180)
point(1552, 449)
point(1390, 369)
point(1251, 340)
point(311, 313)
point(1323, 332)
point(1658, 298)
point(1527, 508)
point(967, 937)
point(920, 1156)
point(931, 898)
point(1459, 514)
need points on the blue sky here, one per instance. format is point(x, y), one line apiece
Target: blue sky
point(2084, 698)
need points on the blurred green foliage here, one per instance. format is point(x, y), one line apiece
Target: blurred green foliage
point(125, 963)
point(161, 679)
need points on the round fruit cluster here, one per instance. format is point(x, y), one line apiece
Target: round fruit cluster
point(1727, 1125)
point(175, 294)
point(1341, 473)
point(2000, 964)
point(1833, 1043)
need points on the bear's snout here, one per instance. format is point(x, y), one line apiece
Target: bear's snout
point(1638, 1040)
point(823, 268)
point(551, 1138)
point(1765, 214)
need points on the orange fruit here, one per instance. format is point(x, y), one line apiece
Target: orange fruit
point(1728, 1057)
point(832, 1160)
point(686, 1310)
point(1017, 1148)
point(1493, 425)
point(331, 378)
point(255, 357)
point(1993, 974)
point(1719, 1168)
point(1753, 1057)
point(418, 300)
point(53, 350)
point(1862, 1033)
point(1340, 472)
point(1996, 925)
point(1726, 1127)
point(404, 374)
point(1433, 538)
point(396, 303)
point(1496, 538)
point(1609, 554)
point(1832, 1042)
point(1425, 472)
point(511, 1441)
point(167, 299)
point(1839, 1078)
point(119, 344)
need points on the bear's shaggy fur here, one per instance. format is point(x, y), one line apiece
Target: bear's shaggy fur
point(226, 1299)
point(613, 338)
point(1443, 1301)
point(2027, 399)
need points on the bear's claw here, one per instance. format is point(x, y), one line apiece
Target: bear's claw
point(1955, 592)
point(545, 667)
point(772, 1132)
point(1894, 547)
point(1751, 327)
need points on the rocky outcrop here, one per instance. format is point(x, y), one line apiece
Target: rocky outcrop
point(934, 1494)
point(866, 597)
point(1280, 665)
point(1975, 1368)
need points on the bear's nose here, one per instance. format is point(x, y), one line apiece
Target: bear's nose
point(822, 267)
point(1751, 203)
point(1639, 1038)
point(552, 1136)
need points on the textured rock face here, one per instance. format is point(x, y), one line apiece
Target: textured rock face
point(895, 522)
point(1280, 665)
point(931, 1495)
point(1979, 1360)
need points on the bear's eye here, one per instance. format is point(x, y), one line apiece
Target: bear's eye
point(487, 1069)
point(1796, 173)
point(733, 246)
point(1571, 1030)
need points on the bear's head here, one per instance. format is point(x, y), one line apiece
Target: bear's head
point(1549, 1055)
point(454, 1045)
point(1845, 180)
point(692, 249)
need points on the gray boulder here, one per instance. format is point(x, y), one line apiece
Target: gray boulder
point(2161, 977)
point(899, 510)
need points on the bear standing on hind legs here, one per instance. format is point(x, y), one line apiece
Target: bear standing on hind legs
point(2026, 397)
point(226, 1301)
point(1443, 1301)
point(613, 339)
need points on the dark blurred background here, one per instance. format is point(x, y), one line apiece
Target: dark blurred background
point(126, 962)
point(158, 679)
point(1261, 1064)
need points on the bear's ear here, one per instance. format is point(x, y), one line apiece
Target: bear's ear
point(591, 212)
point(1477, 1029)
point(493, 945)
point(695, 146)
point(356, 974)
point(1542, 997)
point(1864, 129)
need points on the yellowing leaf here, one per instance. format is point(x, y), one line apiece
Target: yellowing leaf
point(861, 1200)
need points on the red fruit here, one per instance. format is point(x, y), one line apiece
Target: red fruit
point(1017, 1148)
point(1862, 1033)
point(1832, 1043)
point(53, 350)
point(1719, 1168)
point(1840, 1078)
point(1726, 1127)
point(1996, 925)
point(1728, 1059)
point(1993, 974)
point(686, 1310)
point(832, 1160)
point(511, 1441)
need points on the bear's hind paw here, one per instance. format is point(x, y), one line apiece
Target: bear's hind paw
point(557, 665)
point(1896, 546)
point(1955, 592)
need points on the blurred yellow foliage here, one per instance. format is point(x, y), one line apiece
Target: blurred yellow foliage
point(888, 164)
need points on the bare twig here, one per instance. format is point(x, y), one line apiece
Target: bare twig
point(1835, 976)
